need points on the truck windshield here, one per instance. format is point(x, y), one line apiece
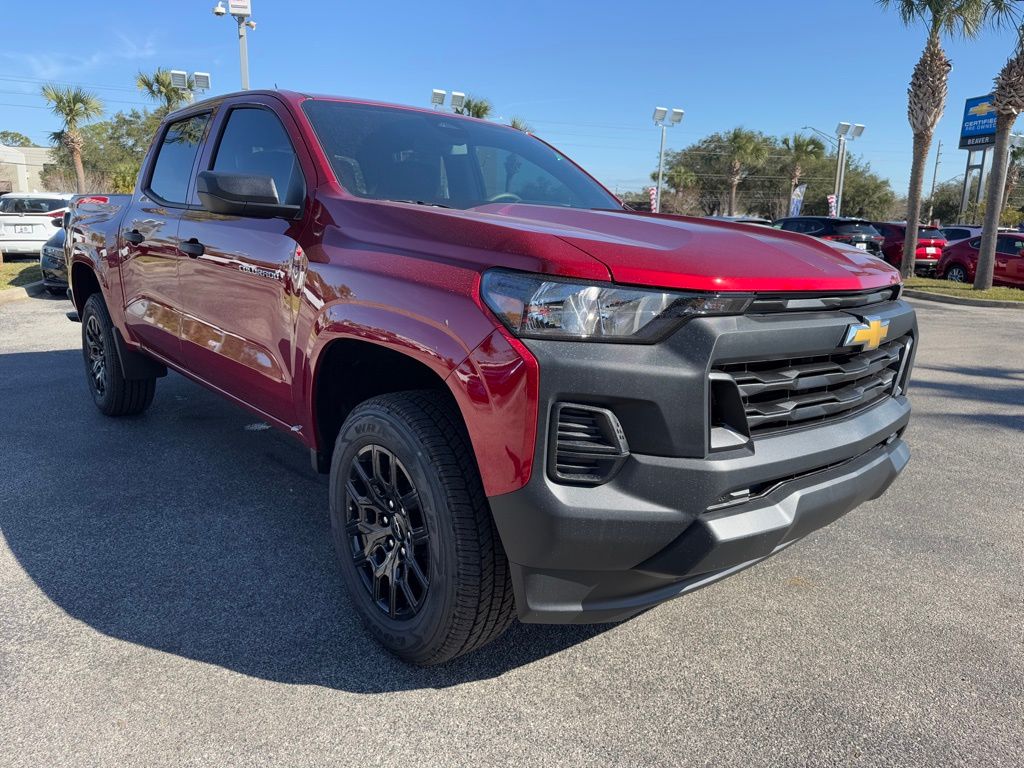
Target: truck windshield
point(388, 153)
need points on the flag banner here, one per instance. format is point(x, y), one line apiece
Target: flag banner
point(796, 200)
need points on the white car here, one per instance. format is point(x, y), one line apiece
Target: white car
point(26, 220)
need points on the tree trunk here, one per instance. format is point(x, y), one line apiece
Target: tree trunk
point(732, 197)
point(76, 156)
point(922, 144)
point(993, 203)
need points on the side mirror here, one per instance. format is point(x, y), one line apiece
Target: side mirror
point(242, 194)
point(58, 221)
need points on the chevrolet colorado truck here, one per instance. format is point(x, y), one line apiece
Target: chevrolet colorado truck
point(530, 400)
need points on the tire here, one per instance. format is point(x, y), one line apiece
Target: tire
point(956, 274)
point(113, 394)
point(407, 502)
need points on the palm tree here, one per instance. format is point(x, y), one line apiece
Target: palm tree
point(158, 87)
point(74, 106)
point(1008, 100)
point(800, 148)
point(929, 85)
point(475, 107)
point(744, 151)
point(520, 125)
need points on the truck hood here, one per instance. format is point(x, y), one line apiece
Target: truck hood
point(701, 254)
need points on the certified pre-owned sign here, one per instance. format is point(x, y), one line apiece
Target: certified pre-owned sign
point(979, 127)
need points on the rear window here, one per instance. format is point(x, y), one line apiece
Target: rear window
point(930, 233)
point(31, 204)
point(855, 228)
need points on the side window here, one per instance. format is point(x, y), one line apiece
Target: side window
point(255, 142)
point(793, 226)
point(813, 228)
point(174, 160)
point(508, 176)
point(1009, 245)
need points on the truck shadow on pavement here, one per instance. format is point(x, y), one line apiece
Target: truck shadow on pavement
point(195, 530)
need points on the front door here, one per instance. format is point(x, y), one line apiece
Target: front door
point(239, 276)
point(1009, 261)
point(149, 240)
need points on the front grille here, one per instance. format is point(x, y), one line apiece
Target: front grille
point(780, 394)
point(587, 444)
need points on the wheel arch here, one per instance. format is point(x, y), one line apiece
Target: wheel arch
point(348, 371)
point(84, 283)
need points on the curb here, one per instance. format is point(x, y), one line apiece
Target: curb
point(16, 294)
point(943, 299)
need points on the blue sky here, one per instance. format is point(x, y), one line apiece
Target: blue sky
point(584, 75)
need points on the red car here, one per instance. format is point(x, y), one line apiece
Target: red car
point(959, 261)
point(530, 400)
point(930, 242)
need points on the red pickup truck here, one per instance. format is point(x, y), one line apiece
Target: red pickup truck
point(530, 400)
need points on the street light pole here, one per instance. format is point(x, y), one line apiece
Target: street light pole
point(840, 168)
point(675, 116)
point(844, 131)
point(661, 171)
point(935, 173)
point(243, 52)
point(241, 10)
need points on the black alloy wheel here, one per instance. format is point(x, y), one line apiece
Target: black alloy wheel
point(388, 532)
point(97, 355)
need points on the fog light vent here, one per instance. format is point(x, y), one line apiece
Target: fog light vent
point(587, 445)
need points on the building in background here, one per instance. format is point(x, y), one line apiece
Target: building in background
point(20, 168)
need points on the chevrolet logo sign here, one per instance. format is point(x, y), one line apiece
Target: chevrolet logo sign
point(868, 334)
point(980, 110)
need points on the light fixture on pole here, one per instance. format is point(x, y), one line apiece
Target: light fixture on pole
point(844, 132)
point(457, 101)
point(198, 82)
point(674, 117)
point(241, 10)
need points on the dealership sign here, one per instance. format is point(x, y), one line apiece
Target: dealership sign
point(979, 126)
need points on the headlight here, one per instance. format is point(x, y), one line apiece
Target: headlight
point(540, 307)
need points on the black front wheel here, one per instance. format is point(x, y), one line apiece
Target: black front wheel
point(113, 394)
point(418, 549)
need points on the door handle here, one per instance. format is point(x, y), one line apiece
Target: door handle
point(193, 248)
point(134, 237)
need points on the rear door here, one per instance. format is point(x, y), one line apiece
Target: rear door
point(240, 281)
point(1009, 266)
point(149, 238)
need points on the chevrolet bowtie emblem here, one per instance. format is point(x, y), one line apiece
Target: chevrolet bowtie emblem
point(868, 334)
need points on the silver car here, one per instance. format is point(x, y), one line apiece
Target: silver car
point(26, 220)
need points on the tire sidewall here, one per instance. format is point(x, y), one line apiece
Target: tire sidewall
point(410, 637)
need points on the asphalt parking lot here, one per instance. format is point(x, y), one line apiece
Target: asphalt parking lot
point(168, 595)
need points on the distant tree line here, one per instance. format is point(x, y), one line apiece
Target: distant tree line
point(747, 172)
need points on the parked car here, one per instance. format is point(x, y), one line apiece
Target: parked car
point(957, 233)
point(528, 398)
point(25, 221)
point(930, 242)
point(856, 232)
point(52, 263)
point(743, 220)
point(959, 262)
